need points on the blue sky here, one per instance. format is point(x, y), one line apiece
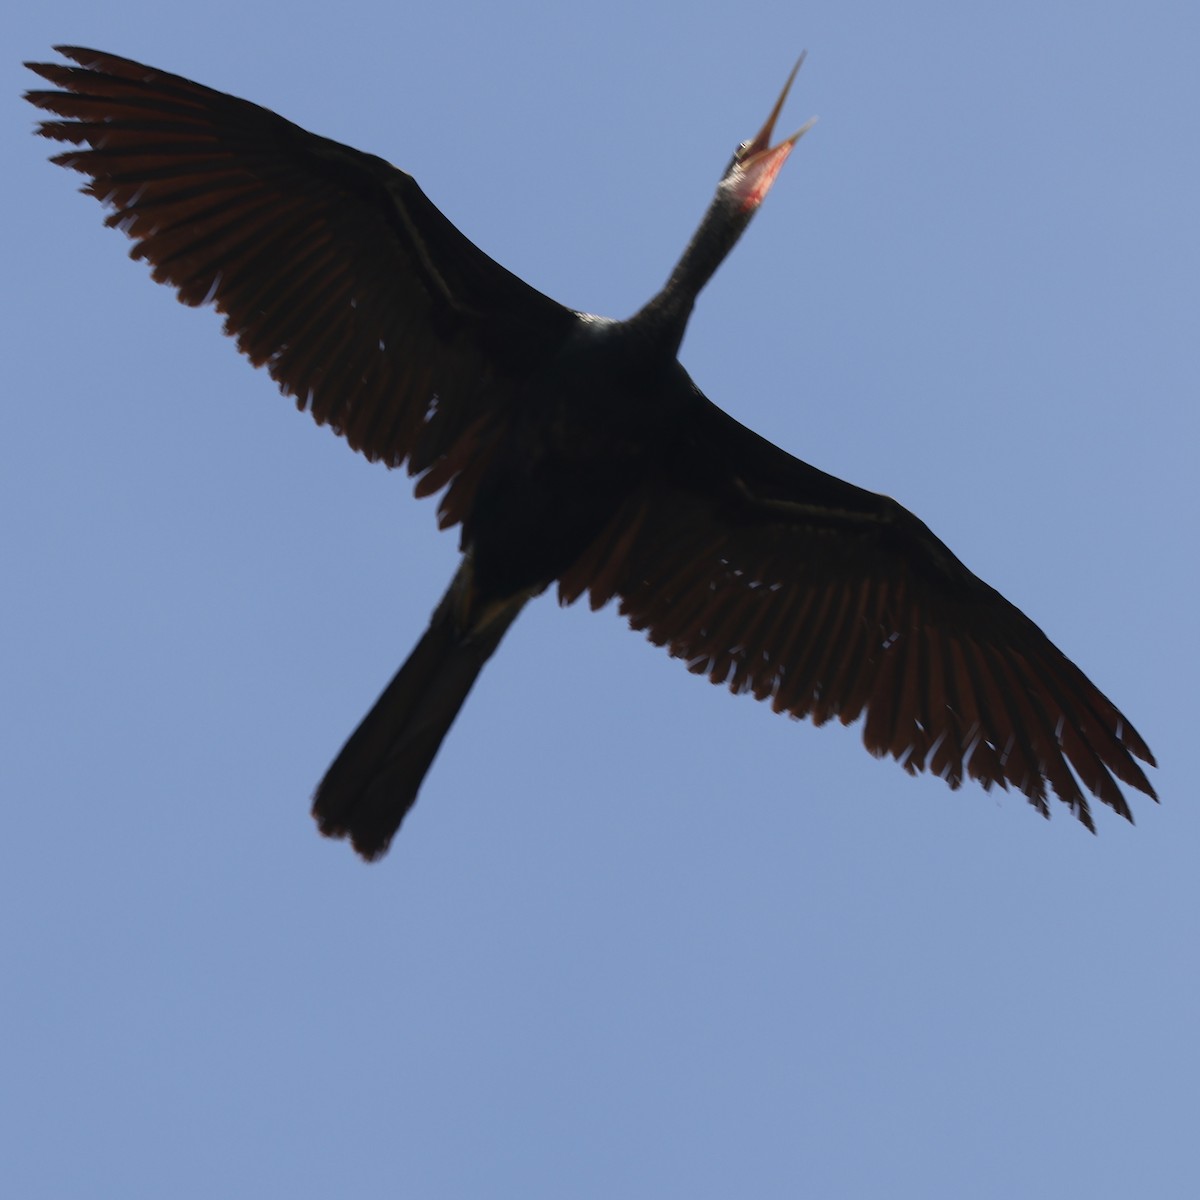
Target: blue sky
point(638, 938)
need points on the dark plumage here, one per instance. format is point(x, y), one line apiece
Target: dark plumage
point(574, 449)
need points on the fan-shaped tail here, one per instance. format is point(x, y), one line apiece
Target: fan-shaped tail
point(374, 781)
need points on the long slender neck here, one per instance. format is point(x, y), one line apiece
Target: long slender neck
point(666, 315)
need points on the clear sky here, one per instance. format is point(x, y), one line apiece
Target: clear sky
point(638, 938)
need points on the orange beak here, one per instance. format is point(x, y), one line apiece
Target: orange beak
point(762, 140)
point(760, 161)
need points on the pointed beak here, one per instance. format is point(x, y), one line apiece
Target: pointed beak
point(761, 143)
point(758, 163)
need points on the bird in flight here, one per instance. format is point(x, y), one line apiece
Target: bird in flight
point(571, 449)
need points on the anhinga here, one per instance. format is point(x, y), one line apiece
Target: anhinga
point(575, 449)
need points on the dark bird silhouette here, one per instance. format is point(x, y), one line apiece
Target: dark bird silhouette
point(571, 448)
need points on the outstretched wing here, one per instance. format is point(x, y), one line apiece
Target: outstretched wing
point(774, 578)
point(331, 266)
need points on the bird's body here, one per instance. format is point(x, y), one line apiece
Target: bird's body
point(589, 428)
point(572, 449)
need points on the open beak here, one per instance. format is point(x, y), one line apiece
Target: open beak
point(758, 163)
point(761, 144)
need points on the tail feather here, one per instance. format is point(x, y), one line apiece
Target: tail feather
point(374, 781)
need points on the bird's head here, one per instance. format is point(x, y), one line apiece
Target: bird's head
point(743, 187)
point(756, 163)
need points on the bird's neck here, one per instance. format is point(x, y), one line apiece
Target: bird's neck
point(668, 312)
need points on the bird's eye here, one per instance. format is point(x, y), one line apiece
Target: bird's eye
point(738, 155)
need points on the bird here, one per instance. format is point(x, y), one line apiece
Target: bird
point(573, 450)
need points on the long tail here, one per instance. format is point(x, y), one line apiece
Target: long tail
point(374, 781)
